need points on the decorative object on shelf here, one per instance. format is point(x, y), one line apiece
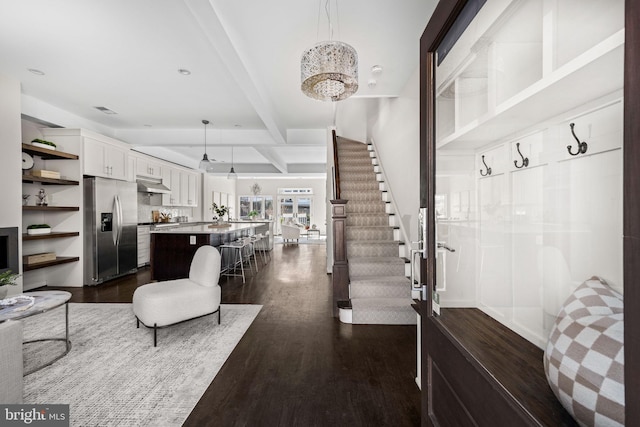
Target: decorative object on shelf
point(39, 258)
point(525, 160)
point(165, 216)
point(232, 173)
point(41, 173)
point(329, 69)
point(34, 229)
point(252, 214)
point(221, 211)
point(582, 146)
point(43, 144)
point(25, 199)
point(42, 198)
point(27, 161)
point(7, 278)
point(205, 163)
point(488, 171)
point(255, 188)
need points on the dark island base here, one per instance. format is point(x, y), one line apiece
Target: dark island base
point(171, 253)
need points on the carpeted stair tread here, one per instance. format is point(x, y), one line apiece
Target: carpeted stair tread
point(369, 233)
point(359, 249)
point(374, 287)
point(376, 266)
point(392, 280)
point(385, 311)
point(367, 219)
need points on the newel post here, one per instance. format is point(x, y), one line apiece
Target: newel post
point(340, 271)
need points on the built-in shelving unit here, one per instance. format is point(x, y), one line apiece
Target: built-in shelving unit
point(62, 213)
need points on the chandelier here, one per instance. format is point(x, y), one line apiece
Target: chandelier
point(329, 69)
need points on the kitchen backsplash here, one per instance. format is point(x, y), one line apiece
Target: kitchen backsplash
point(147, 203)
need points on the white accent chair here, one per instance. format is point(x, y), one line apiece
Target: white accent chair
point(290, 232)
point(161, 304)
point(11, 364)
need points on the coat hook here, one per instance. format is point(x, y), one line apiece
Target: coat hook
point(488, 172)
point(525, 160)
point(582, 146)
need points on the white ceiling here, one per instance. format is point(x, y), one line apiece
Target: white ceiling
point(244, 58)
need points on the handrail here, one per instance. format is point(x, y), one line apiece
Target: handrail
point(336, 188)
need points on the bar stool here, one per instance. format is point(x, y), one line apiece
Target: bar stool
point(250, 251)
point(258, 245)
point(236, 250)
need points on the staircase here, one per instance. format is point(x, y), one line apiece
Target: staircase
point(379, 290)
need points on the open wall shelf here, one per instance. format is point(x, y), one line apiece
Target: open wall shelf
point(47, 154)
point(52, 235)
point(50, 208)
point(57, 261)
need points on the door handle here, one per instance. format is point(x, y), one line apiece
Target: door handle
point(114, 226)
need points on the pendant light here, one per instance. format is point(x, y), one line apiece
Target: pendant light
point(329, 69)
point(232, 173)
point(205, 163)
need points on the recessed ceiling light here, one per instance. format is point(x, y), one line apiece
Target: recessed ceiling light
point(184, 72)
point(376, 69)
point(36, 72)
point(105, 110)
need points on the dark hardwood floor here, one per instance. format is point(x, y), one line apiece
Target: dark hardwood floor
point(297, 365)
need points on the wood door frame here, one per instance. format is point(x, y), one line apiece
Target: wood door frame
point(443, 17)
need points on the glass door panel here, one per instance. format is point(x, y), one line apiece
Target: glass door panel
point(522, 215)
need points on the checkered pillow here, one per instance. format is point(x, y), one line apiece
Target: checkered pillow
point(584, 358)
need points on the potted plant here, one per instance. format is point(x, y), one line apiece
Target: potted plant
point(221, 211)
point(38, 229)
point(252, 214)
point(7, 278)
point(43, 144)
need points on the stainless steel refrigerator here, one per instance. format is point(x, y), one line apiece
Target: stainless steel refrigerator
point(110, 229)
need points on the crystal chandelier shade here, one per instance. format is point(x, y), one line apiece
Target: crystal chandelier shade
point(329, 71)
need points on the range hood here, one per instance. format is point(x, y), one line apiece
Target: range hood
point(155, 187)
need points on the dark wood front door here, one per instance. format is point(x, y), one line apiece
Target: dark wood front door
point(480, 365)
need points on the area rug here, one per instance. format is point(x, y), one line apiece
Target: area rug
point(113, 376)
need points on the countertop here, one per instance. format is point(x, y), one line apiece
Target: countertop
point(204, 228)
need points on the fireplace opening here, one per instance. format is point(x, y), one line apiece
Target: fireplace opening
point(9, 249)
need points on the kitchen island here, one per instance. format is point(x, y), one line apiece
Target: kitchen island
point(172, 248)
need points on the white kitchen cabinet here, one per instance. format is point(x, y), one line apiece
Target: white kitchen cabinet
point(183, 185)
point(104, 159)
point(144, 245)
point(148, 168)
point(188, 189)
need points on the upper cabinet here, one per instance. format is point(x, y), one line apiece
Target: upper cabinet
point(183, 185)
point(101, 156)
point(105, 160)
point(148, 168)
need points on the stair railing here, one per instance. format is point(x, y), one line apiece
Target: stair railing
point(340, 266)
point(336, 168)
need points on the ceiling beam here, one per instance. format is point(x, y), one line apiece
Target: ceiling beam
point(238, 65)
point(275, 160)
